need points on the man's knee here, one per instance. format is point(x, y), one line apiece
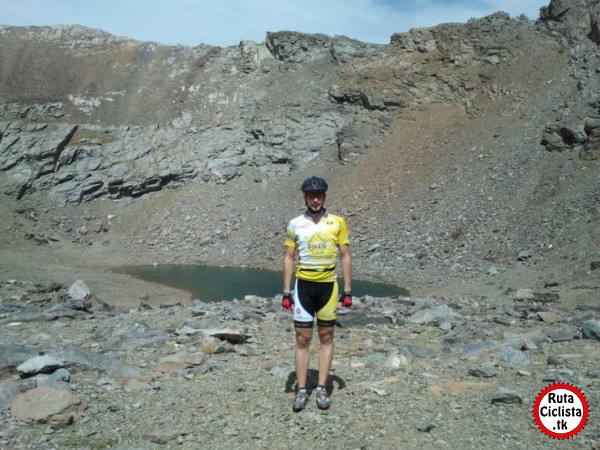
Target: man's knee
point(303, 337)
point(326, 335)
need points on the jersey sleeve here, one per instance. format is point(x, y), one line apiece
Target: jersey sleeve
point(343, 238)
point(290, 237)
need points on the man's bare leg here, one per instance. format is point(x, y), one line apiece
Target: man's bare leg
point(325, 353)
point(302, 354)
point(325, 359)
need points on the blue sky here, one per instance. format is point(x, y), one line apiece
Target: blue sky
point(227, 22)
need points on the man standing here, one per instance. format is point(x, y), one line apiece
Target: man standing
point(315, 237)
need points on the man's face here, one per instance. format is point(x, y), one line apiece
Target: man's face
point(314, 201)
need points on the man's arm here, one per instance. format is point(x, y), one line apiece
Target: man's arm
point(288, 267)
point(346, 261)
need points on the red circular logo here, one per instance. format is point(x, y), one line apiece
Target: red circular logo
point(561, 410)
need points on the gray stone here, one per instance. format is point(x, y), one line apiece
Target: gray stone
point(524, 294)
point(478, 348)
point(562, 376)
point(55, 378)
point(524, 255)
point(445, 326)
point(436, 315)
point(590, 329)
point(40, 364)
point(79, 290)
point(417, 351)
point(8, 391)
point(483, 371)
point(513, 357)
point(561, 335)
point(425, 427)
point(281, 372)
point(161, 438)
point(507, 397)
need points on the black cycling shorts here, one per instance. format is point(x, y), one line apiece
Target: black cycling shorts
point(315, 299)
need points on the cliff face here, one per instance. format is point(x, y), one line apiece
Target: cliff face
point(115, 117)
point(118, 118)
point(476, 140)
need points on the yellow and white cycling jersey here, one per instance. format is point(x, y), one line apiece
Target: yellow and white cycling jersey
point(317, 245)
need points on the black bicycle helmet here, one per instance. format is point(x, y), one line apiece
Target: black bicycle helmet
point(314, 184)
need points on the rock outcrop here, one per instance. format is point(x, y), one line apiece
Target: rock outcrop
point(85, 115)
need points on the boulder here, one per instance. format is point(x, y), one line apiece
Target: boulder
point(45, 404)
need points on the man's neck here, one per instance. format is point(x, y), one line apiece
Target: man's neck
point(316, 216)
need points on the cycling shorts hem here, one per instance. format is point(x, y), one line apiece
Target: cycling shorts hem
point(326, 323)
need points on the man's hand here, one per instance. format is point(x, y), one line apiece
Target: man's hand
point(287, 302)
point(346, 299)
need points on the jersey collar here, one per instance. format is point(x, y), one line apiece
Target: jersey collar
point(310, 217)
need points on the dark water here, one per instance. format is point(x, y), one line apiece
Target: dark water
point(226, 283)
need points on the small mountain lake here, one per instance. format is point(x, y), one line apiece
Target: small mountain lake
point(210, 284)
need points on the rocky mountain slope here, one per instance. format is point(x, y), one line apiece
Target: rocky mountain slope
point(457, 151)
point(464, 158)
point(410, 373)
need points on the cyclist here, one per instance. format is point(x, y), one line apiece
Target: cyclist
point(316, 238)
